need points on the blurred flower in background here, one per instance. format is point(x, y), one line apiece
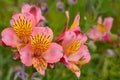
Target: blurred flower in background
point(101, 31)
point(60, 6)
point(72, 2)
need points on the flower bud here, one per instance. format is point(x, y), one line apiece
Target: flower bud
point(60, 6)
point(44, 7)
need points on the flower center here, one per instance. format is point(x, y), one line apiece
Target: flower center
point(75, 45)
point(101, 28)
point(40, 42)
point(23, 27)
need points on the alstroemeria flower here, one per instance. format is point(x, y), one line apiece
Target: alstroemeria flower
point(101, 31)
point(72, 41)
point(41, 50)
point(35, 11)
point(20, 32)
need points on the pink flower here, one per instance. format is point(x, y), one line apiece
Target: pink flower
point(101, 31)
point(72, 41)
point(35, 11)
point(19, 34)
point(41, 51)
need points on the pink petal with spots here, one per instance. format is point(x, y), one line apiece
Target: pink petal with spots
point(10, 38)
point(108, 23)
point(26, 55)
point(40, 64)
point(54, 53)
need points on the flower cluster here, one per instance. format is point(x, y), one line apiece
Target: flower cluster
point(34, 41)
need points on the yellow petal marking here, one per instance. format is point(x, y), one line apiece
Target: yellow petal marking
point(40, 42)
point(101, 28)
point(23, 28)
point(75, 45)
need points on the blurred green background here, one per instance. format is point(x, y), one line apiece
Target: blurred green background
point(102, 66)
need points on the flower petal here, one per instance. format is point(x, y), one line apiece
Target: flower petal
point(64, 60)
point(81, 53)
point(108, 38)
point(54, 53)
point(76, 22)
point(94, 34)
point(85, 55)
point(23, 17)
point(108, 23)
point(10, 38)
point(40, 64)
point(45, 30)
point(26, 8)
point(70, 66)
point(73, 68)
point(26, 55)
point(35, 11)
point(82, 37)
point(68, 39)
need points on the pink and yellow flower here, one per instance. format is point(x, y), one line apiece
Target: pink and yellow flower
point(20, 32)
point(75, 51)
point(101, 31)
point(41, 51)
